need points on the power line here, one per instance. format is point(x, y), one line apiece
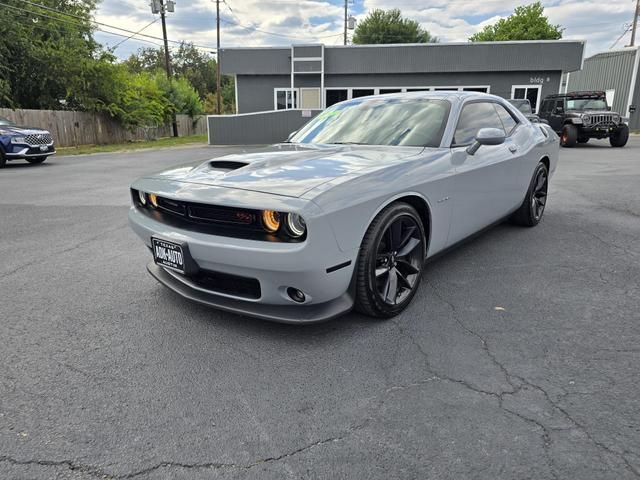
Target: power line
point(626, 30)
point(94, 22)
point(42, 27)
point(131, 36)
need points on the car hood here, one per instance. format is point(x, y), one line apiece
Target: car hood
point(591, 112)
point(19, 130)
point(289, 169)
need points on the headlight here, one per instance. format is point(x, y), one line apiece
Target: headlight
point(296, 225)
point(586, 118)
point(18, 140)
point(153, 199)
point(142, 197)
point(271, 220)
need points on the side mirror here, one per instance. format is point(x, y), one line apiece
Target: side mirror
point(608, 108)
point(487, 136)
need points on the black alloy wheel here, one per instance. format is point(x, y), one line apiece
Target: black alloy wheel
point(530, 212)
point(391, 261)
point(539, 197)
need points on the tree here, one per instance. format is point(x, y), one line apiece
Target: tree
point(181, 95)
point(187, 61)
point(527, 22)
point(44, 53)
point(388, 26)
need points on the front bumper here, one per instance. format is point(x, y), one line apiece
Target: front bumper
point(600, 131)
point(300, 314)
point(27, 151)
point(308, 266)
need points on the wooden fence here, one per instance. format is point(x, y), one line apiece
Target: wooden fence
point(82, 128)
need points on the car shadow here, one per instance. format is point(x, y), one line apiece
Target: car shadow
point(20, 164)
point(350, 322)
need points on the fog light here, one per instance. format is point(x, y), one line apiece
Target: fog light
point(142, 197)
point(296, 295)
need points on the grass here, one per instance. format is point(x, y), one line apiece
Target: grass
point(137, 145)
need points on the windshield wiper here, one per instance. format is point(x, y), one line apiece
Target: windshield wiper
point(348, 143)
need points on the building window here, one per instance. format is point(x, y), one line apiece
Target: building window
point(285, 98)
point(610, 95)
point(362, 92)
point(310, 98)
point(530, 92)
point(336, 95)
point(390, 90)
point(476, 89)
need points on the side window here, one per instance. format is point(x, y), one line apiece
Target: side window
point(560, 104)
point(546, 106)
point(475, 116)
point(508, 122)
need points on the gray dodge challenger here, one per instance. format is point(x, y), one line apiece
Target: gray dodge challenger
point(345, 213)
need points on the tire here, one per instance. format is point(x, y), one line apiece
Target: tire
point(620, 137)
point(583, 140)
point(530, 212)
point(569, 136)
point(36, 160)
point(387, 278)
point(3, 158)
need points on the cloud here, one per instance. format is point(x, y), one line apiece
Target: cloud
point(283, 22)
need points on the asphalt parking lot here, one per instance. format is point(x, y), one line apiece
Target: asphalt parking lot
point(518, 359)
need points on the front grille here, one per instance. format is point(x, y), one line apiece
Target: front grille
point(228, 284)
point(37, 151)
point(38, 139)
point(606, 119)
point(209, 214)
point(212, 219)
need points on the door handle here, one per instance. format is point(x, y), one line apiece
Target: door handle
point(513, 148)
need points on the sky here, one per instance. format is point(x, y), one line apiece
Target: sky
point(248, 23)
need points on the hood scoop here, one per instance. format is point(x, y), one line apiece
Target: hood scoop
point(226, 165)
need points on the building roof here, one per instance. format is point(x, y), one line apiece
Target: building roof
point(554, 55)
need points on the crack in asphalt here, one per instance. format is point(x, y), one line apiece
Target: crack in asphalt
point(516, 389)
point(99, 473)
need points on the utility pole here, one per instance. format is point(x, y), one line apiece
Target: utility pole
point(346, 13)
point(218, 83)
point(635, 24)
point(167, 61)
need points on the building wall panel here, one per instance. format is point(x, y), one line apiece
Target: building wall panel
point(263, 128)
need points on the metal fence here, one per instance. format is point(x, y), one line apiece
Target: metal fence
point(71, 128)
point(259, 128)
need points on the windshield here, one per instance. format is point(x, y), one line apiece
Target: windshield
point(523, 105)
point(586, 104)
point(379, 121)
point(6, 121)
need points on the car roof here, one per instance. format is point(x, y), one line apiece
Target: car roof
point(451, 95)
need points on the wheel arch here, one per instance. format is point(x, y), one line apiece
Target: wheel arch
point(417, 201)
point(547, 163)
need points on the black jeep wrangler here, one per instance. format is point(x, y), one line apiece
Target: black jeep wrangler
point(579, 116)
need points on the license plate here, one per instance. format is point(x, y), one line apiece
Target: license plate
point(44, 148)
point(168, 254)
